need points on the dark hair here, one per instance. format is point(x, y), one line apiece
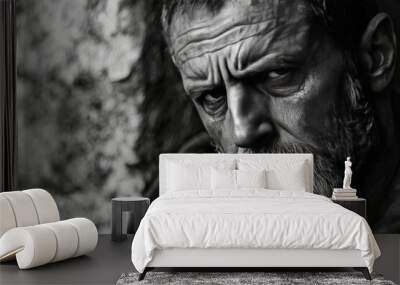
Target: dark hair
point(344, 20)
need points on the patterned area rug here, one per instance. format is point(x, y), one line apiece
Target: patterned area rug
point(243, 278)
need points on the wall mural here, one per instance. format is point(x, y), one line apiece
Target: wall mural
point(104, 86)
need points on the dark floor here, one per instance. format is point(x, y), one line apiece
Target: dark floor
point(110, 260)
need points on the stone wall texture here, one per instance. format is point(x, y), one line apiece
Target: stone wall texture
point(93, 110)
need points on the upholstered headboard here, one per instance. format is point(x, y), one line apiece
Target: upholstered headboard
point(211, 158)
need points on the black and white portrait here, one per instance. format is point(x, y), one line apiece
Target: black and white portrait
point(105, 86)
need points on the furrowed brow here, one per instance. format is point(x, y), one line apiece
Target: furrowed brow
point(218, 32)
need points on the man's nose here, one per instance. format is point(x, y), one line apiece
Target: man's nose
point(252, 124)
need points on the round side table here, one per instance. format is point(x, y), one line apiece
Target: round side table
point(136, 205)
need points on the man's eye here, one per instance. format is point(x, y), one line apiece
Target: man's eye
point(279, 73)
point(283, 81)
point(213, 103)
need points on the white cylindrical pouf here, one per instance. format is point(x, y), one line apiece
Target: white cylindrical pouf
point(45, 205)
point(87, 233)
point(67, 239)
point(40, 244)
point(7, 218)
point(23, 208)
point(34, 245)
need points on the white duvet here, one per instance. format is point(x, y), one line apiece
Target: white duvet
point(250, 219)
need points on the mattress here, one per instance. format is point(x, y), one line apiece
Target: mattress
point(251, 219)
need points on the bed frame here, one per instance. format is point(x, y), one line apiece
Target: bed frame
point(245, 259)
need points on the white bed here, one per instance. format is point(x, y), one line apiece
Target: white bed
point(250, 227)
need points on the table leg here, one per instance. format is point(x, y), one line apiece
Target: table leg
point(116, 228)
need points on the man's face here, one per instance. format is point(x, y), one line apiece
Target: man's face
point(263, 79)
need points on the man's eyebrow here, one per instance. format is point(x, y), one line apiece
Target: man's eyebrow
point(267, 63)
point(257, 67)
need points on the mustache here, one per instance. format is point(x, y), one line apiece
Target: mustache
point(278, 147)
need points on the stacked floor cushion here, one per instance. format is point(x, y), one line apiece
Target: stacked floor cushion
point(31, 232)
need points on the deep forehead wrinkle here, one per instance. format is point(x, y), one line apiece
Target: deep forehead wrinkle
point(250, 11)
point(234, 36)
point(223, 30)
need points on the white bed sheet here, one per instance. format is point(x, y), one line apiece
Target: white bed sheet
point(252, 218)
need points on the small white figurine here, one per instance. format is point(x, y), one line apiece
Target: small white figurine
point(347, 174)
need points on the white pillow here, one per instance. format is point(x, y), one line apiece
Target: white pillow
point(291, 179)
point(225, 179)
point(193, 174)
point(281, 175)
point(251, 178)
point(182, 177)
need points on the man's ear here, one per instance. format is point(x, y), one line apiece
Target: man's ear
point(378, 52)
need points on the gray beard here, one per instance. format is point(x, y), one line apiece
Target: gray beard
point(354, 136)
